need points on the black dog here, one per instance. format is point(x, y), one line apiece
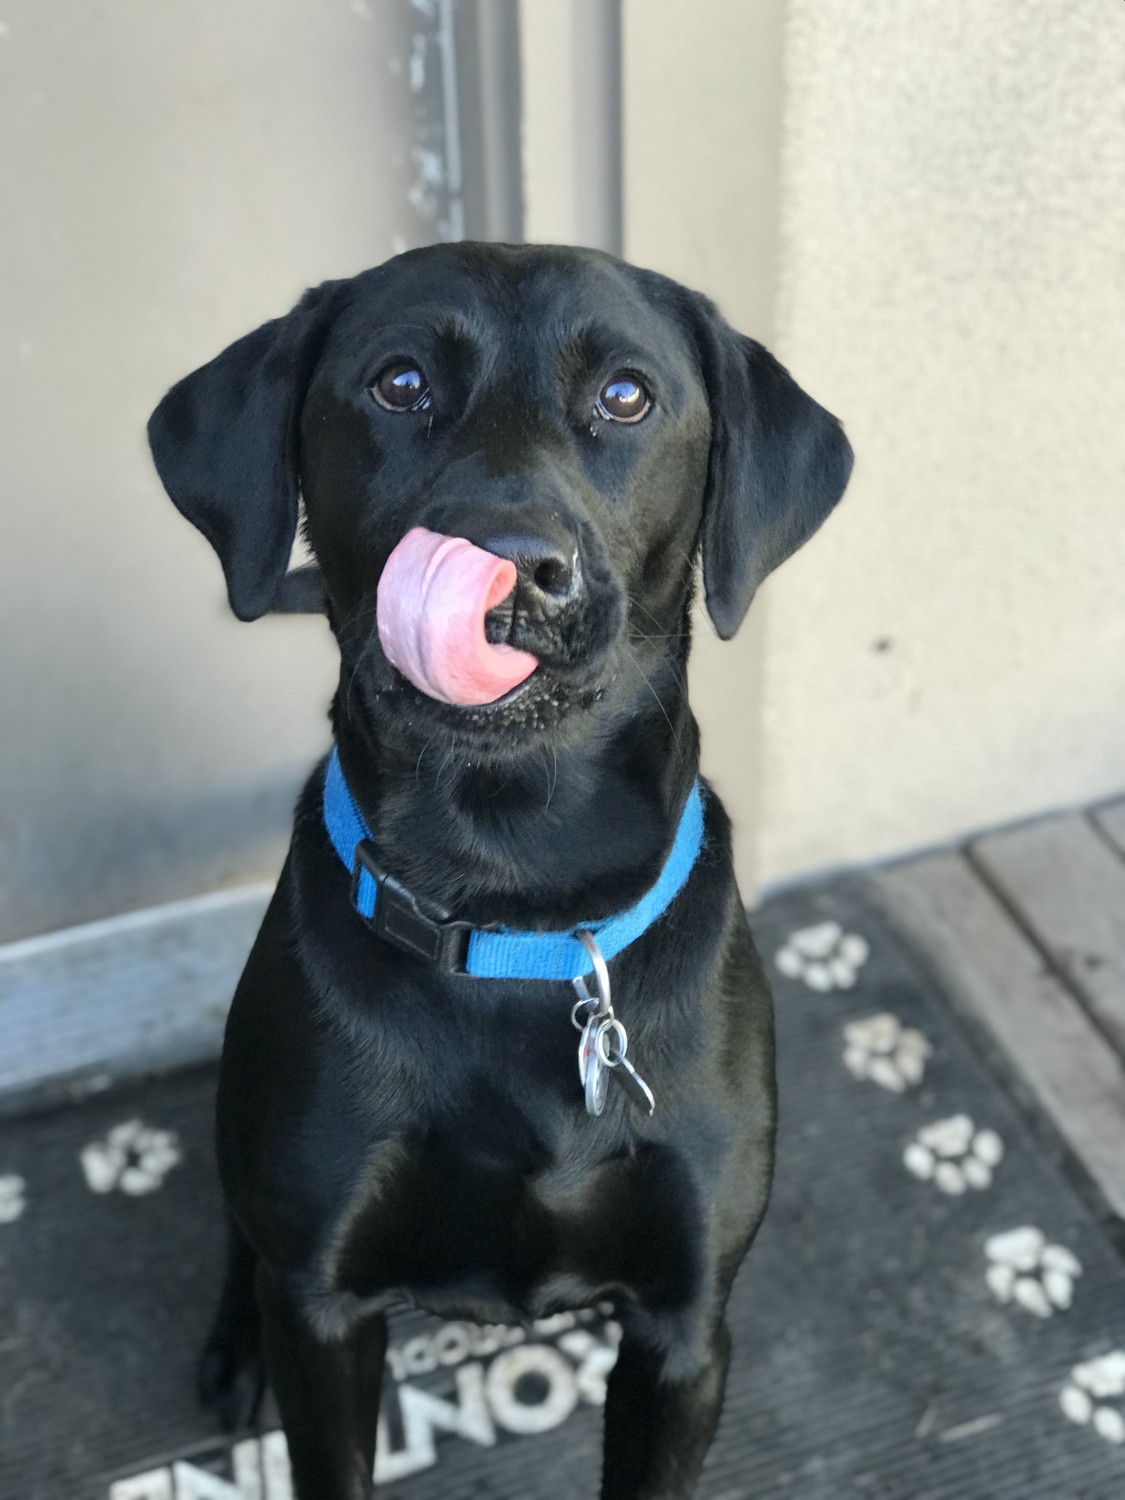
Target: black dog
point(389, 1125)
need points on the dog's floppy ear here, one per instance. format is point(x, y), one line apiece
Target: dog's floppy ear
point(225, 441)
point(778, 464)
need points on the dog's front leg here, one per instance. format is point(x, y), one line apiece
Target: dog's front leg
point(658, 1430)
point(327, 1391)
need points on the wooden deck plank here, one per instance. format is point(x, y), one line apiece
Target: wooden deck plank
point(1111, 821)
point(1068, 886)
point(997, 974)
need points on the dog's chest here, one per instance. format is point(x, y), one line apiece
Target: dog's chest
point(468, 1232)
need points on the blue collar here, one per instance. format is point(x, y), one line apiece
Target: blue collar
point(500, 952)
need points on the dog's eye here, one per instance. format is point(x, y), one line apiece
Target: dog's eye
point(401, 386)
point(623, 399)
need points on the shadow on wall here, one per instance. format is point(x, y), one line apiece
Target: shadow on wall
point(135, 852)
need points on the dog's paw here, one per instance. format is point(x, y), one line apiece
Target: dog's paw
point(1093, 1386)
point(1024, 1268)
point(954, 1155)
point(824, 957)
point(133, 1158)
point(12, 1198)
point(230, 1378)
point(882, 1049)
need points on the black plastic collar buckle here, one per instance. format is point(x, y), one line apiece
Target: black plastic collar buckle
point(399, 920)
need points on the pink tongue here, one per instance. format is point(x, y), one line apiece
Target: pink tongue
point(430, 606)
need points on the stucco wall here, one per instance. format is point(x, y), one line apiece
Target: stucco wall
point(950, 650)
point(171, 176)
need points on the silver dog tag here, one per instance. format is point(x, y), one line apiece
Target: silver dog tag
point(595, 1079)
point(595, 1054)
point(604, 1043)
point(587, 1049)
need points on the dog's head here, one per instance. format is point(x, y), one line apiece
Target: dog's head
point(593, 423)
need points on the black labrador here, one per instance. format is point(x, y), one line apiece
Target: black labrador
point(389, 1125)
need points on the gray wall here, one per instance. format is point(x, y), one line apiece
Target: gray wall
point(172, 175)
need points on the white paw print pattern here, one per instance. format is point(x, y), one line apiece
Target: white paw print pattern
point(12, 1200)
point(133, 1157)
point(882, 1049)
point(1023, 1267)
point(954, 1155)
point(824, 957)
point(1092, 1386)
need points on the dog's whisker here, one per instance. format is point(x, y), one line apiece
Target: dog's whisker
point(349, 687)
point(636, 603)
point(670, 661)
point(503, 787)
point(659, 701)
point(449, 760)
point(552, 777)
point(421, 756)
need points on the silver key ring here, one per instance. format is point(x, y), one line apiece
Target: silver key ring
point(601, 968)
point(601, 1041)
point(583, 1010)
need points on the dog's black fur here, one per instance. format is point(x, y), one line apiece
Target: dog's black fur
point(386, 1130)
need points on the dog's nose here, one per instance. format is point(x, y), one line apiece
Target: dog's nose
point(547, 571)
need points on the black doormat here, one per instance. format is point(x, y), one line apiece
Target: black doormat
point(931, 1309)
